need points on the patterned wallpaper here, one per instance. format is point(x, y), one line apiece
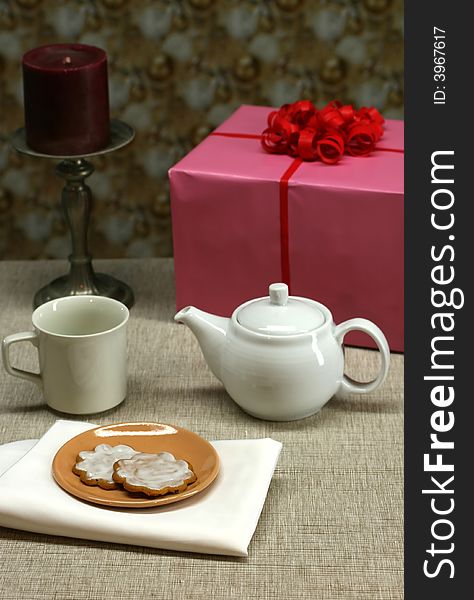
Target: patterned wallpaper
point(178, 68)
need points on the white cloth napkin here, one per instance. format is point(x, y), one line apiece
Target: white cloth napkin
point(219, 520)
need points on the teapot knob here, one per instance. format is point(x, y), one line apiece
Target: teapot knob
point(278, 293)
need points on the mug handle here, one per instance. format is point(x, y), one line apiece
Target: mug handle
point(376, 334)
point(26, 336)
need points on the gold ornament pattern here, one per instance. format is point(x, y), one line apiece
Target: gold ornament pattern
point(177, 69)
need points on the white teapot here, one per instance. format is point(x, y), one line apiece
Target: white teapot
point(281, 357)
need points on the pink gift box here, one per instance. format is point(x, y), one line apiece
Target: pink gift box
point(337, 238)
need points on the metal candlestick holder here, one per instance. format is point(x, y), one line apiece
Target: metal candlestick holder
point(76, 204)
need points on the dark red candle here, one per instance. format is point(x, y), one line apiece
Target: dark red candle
point(66, 99)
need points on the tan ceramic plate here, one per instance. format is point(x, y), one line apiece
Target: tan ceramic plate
point(144, 437)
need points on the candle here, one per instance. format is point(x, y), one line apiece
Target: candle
point(66, 99)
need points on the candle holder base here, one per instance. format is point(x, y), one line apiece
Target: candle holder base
point(103, 285)
point(76, 203)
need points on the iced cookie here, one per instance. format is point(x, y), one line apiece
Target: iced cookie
point(153, 474)
point(95, 467)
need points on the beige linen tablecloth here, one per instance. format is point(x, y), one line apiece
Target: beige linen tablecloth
point(332, 525)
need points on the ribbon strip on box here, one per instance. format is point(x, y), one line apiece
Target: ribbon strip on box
point(306, 134)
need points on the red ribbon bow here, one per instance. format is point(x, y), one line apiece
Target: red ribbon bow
point(302, 131)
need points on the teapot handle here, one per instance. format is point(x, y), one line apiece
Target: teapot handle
point(376, 334)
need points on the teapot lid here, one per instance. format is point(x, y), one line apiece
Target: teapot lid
point(280, 315)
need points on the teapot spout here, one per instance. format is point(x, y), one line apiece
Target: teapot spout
point(210, 331)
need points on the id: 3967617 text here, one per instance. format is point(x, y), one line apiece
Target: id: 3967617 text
point(439, 65)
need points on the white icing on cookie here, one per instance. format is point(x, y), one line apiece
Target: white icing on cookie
point(98, 463)
point(154, 471)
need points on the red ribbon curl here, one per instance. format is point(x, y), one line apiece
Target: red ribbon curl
point(302, 131)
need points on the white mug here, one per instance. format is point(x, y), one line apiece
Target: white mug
point(82, 350)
